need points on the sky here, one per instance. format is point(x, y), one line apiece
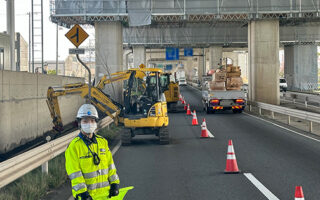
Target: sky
point(22, 7)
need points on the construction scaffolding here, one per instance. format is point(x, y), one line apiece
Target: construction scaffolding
point(144, 12)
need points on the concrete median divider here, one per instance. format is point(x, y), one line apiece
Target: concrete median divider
point(24, 115)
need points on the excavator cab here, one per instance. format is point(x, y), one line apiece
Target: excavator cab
point(170, 89)
point(145, 108)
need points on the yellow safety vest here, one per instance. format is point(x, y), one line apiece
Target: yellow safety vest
point(84, 174)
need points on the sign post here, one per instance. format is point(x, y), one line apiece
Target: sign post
point(77, 35)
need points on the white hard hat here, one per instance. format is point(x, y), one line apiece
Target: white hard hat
point(87, 110)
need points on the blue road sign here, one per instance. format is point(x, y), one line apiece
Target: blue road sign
point(188, 51)
point(168, 67)
point(172, 53)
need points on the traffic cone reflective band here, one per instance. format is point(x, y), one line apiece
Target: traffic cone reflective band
point(231, 165)
point(204, 130)
point(194, 119)
point(188, 110)
point(298, 193)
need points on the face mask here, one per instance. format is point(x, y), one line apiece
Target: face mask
point(89, 127)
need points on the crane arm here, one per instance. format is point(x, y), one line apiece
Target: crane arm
point(102, 101)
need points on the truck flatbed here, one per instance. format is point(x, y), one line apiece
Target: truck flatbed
point(223, 100)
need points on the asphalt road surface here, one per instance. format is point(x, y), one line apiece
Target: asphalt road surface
point(192, 168)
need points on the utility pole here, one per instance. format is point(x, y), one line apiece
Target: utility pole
point(42, 36)
point(11, 32)
point(29, 44)
point(57, 51)
point(32, 33)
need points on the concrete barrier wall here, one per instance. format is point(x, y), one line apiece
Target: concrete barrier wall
point(24, 114)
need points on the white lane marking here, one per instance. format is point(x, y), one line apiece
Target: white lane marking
point(116, 148)
point(261, 187)
point(284, 128)
point(113, 151)
point(210, 134)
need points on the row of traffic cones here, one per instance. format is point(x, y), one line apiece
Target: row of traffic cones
point(186, 107)
point(231, 163)
point(204, 130)
point(232, 168)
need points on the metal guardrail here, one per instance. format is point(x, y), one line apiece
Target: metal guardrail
point(308, 116)
point(306, 98)
point(195, 85)
point(14, 168)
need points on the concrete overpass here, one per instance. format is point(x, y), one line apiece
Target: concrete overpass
point(259, 25)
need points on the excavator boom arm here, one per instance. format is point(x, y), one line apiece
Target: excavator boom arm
point(98, 98)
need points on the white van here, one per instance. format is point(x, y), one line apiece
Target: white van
point(283, 85)
point(182, 82)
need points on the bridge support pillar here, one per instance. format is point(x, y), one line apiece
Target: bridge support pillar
point(139, 56)
point(201, 66)
point(301, 67)
point(215, 54)
point(263, 45)
point(189, 69)
point(109, 54)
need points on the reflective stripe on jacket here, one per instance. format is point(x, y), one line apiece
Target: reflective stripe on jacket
point(84, 174)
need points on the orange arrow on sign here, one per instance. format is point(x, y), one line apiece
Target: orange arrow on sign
point(76, 35)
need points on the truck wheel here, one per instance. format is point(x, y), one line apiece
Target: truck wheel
point(126, 137)
point(164, 135)
point(207, 110)
point(235, 111)
point(239, 111)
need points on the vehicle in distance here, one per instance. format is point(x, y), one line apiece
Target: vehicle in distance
point(283, 85)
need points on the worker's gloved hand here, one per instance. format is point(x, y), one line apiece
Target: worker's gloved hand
point(84, 196)
point(114, 190)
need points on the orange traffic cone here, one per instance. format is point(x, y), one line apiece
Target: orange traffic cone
point(180, 97)
point(231, 165)
point(183, 101)
point(298, 195)
point(188, 110)
point(204, 130)
point(185, 106)
point(194, 119)
point(205, 133)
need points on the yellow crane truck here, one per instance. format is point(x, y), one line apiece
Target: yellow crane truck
point(144, 110)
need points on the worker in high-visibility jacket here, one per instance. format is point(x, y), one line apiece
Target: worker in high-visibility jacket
point(89, 162)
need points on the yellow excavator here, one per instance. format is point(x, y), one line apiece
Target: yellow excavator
point(144, 110)
point(171, 90)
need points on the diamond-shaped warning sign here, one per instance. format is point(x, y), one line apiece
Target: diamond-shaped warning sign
point(76, 35)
